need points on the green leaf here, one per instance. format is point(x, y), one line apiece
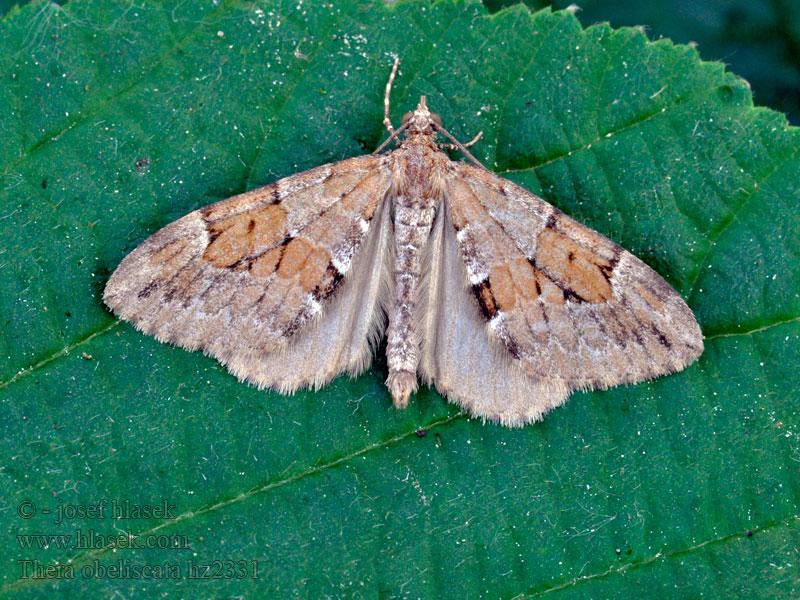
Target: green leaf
point(758, 39)
point(119, 118)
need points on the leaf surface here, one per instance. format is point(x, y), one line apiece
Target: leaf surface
point(120, 118)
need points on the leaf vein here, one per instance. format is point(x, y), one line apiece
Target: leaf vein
point(787, 522)
point(737, 211)
point(94, 554)
point(160, 60)
point(63, 352)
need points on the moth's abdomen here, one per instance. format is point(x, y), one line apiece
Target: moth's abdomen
point(414, 212)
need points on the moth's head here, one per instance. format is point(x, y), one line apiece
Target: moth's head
point(421, 120)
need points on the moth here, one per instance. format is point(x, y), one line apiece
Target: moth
point(498, 299)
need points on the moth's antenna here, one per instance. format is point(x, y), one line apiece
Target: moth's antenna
point(386, 121)
point(395, 134)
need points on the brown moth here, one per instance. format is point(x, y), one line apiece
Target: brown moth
point(494, 296)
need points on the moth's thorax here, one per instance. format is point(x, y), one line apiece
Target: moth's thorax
point(419, 139)
point(419, 171)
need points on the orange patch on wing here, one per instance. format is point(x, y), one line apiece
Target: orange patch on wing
point(186, 283)
point(587, 237)
point(503, 287)
point(172, 255)
point(651, 299)
point(513, 282)
point(235, 205)
point(341, 183)
point(572, 266)
point(244, 235)
point(551, 293)
point(358, 197)
point(464, 205)
point(264, 265)
point(372, 189)
point(306, 260)
point(524, 278)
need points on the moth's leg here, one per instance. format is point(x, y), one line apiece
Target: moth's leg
point(456, 145)
point(386, 121)
point(472, 142)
